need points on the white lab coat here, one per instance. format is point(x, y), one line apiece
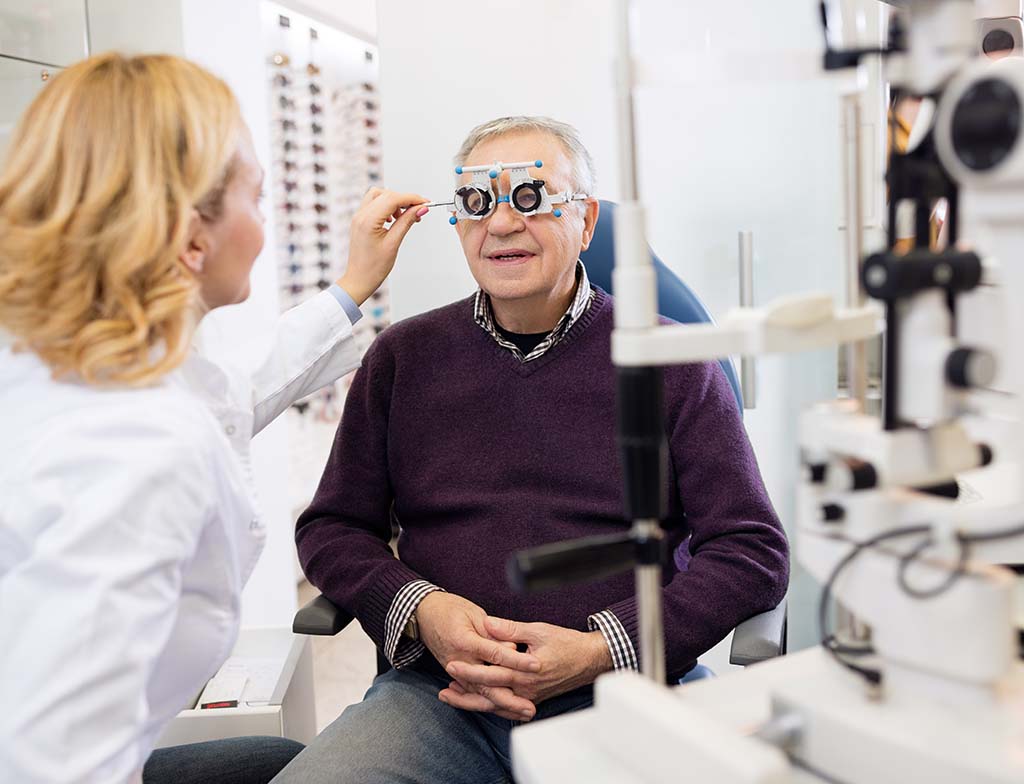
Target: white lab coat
point(128, 527)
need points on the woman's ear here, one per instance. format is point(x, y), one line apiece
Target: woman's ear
point(193, 254)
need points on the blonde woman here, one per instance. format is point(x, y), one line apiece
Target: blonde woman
point(129, 207)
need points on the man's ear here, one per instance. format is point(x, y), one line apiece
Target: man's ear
point(592, 209)
point(193, 254)
point(460, 226)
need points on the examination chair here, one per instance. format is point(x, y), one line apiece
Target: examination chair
point(756, 639)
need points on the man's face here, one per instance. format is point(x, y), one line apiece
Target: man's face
point(514, 257)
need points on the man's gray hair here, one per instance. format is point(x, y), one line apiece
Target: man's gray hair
point(569, 137)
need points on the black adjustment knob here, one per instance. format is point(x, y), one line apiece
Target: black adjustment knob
point(832, 513)
point(851, 474)
point(888, 277)
point(816, 472)
point(970, 367)
point(986, 454)
point(986, 124)
point(863, 475)
point(997, 41)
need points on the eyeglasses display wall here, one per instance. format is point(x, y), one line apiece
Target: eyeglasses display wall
point(326, 153)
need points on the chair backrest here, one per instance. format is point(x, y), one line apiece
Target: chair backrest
point(676, 300)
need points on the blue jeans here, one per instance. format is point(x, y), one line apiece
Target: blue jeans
point(401, 732)
point(254, 760)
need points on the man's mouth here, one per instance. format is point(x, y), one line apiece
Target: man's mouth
point(509, 256)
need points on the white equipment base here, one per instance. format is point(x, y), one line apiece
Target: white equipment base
point(639, 732)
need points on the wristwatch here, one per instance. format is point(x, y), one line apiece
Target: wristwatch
point(412, 628)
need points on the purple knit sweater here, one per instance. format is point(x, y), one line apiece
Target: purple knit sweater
point(477, 455)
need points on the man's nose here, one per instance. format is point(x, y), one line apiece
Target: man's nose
point(505, 220)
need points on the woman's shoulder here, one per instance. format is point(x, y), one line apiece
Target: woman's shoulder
point(50, 419)
point(111, 464)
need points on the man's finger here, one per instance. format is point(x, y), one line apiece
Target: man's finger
point(493, 652)
point(466, 700)
point(499, 696)
point(506, 699)
point(484, 675)
point(504, 629)
point(455, 696)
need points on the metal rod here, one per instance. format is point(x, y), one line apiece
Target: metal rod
point(748, 367)
point(636, 308)
point(856, 353)
point(500, 166)
point(890, 368)
point(439, 204)
point(648, 592)
point(88, 31)
point(624, 100)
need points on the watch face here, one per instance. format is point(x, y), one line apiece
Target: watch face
point(411, 629)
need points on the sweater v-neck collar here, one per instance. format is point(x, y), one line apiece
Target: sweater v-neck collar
point(525, 369)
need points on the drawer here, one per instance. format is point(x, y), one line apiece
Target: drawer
point(45, 31)
point(19, 83)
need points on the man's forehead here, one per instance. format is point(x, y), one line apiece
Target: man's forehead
point(517, 147)
point(522, 147)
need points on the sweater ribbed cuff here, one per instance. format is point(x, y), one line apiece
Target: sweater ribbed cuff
point(376, 603)
point(619, 644)
point(399, 650)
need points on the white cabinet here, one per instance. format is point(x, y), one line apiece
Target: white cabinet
point(19, 83)
point(285, 666)
point(45, 31)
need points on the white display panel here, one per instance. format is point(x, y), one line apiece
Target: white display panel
point(45, 31)
point(19, 84)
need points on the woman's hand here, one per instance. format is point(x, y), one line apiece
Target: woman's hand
point(378, 228)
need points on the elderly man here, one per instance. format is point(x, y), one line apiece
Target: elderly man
point(485, 427)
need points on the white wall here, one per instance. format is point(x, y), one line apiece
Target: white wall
point(144, 26)
point(447, 67)
point(355, 17)
point(740, 133)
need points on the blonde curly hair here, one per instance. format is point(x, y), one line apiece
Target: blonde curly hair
point(96, 196)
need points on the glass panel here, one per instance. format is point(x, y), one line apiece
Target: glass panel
point(19, 83)
point(45, 31)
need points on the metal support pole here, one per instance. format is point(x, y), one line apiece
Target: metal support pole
point(648, 591)
point(640, 430)
point(853, 197)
